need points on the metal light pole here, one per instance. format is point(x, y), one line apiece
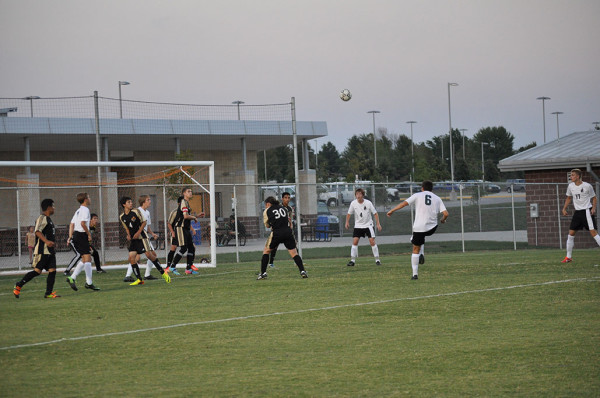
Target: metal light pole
point(238, 103)
point(121, 83)
point(451, 147)
point(374, 140)
point(31, 98)
point(412, 149)
point(463, 134)
point(557, 130)
point(544, 113)
point(482, 164)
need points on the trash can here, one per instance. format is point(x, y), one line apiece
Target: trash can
point(322, 228)
point(197, 239)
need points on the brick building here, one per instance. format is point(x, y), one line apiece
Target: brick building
point(547, 170)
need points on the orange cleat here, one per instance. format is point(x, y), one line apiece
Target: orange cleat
point(566, 260)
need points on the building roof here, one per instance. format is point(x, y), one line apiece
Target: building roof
point(574, 150)
point(79, 134)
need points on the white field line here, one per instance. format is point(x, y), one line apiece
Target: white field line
point(241, 318)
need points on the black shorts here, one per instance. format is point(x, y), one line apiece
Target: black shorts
point(81, 243)
point(140, 246)
point(174, 241)
point(582, 220)
point(276, 238)
point(418, 238)
point(183, 236)
point(363, 232)
point(44, 261)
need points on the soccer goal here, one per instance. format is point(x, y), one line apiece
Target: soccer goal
point(24, 184)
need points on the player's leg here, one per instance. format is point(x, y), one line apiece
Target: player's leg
point(570, 245)
point(28, 276)
point(298, 260)
point(96, 257)
point(191, 255)
point(592, 226)
point(422, 254)
point(133, 261)
point(272, 257)
point(414, 260)
point(264, 263)
point(74, 261)
point(153, 259)
point(87, 266)
point(374, 247)
point(353, 250)
point(51, 267)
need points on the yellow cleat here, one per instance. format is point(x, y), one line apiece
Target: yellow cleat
point(166, 277)
point(137, 282)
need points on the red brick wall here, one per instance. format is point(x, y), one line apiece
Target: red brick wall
point(545, 195)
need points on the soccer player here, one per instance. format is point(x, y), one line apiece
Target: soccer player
point(81, 237)
point(276, 217)
point(363, 225)
point(93, 250)
point(427, 206)
point(183, 231)
point(44, 257)
point(584, 201)
point(174, 242)
point(145, 202)
point(285, 202)
point(133, 221)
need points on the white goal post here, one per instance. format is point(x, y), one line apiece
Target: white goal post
point(172, 164)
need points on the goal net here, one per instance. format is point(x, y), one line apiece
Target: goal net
point(23, 185)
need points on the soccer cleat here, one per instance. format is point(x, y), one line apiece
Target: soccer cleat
point(166, 277)
point(137, 282)
point(191, 272)
point(262, 276)
point(128, 279)
point(377, 262)
point(194, 268)
point(174, 271)
point(303, 274)
point(100, 271)
point(414, 277)
point(71, 283)
point(272, 265)
point(17, 291)
point(350, 263)
point(91, 287)
point(567, 260)
point(149, 278)
point(51, 295)
point(421, 259)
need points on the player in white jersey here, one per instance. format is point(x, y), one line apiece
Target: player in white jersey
point(144, 202)
point(79, 233)
point(363, 211)
point(584, 201)
point(427, 207)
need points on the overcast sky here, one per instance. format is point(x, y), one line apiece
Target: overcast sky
point(395, 56)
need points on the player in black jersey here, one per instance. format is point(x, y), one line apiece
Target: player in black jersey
point(276, 217)
point(44, 257)
point(285, 202)
point(174, 242)
point(183, 232)
point(133, 222)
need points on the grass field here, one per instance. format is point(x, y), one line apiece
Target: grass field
point(485, 323)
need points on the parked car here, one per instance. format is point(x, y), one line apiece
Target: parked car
point(334, 221)
point(405, 187)
point(517, 184)
point(492, 188)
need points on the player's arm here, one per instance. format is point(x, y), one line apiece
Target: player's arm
point(347, 221)
point(567, 202)
point(594, 203)
point(71, 229)
point(126, 229)
point(152, 233)
point(41, 236)
point(139, 231)
point(266, 219)
point(377, 219)
point(444, 216)
point(398, 207)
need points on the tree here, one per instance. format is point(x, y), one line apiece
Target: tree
point(500, 146)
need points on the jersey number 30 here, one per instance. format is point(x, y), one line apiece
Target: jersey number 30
point(278, 213)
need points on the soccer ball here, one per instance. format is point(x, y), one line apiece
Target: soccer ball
point(345, 95)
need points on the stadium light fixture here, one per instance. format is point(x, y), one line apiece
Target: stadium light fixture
point(121, 83)
point(557, 129)
point(374, 140)
point(544, 113)
point(31, 98)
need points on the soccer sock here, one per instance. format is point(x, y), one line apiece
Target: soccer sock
point(570, 244)
point(375, 250)
point(77, 271)
point(298, 261)
point(88, 273)
point(129, 271)
point(50, 282)
point(28, 276)
point(422, 251)
point(136, 271)
point(170, 258)
point(415, 263)
point(264, 262)
point(597, 239)
point(158, 267)
point(272, 256)
point(354, 252)
point(190, 260)
point(149, 265)
point(178, 255)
